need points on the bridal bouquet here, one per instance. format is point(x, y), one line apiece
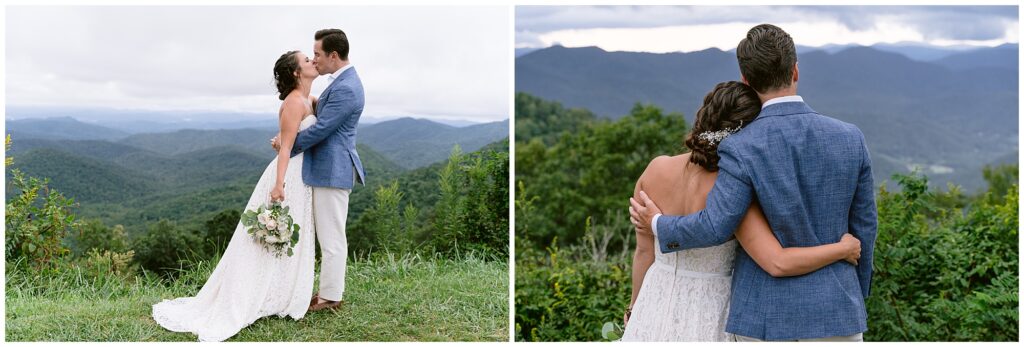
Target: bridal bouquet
point(272, 227)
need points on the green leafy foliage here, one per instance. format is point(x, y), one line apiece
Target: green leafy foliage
point(176, 231)
point(94, 235)
point(540, 119)
point(37, 220)
point(166, 247)
point(568, 293)
point(452, 208)
point(948, 278)
point(592, 167)
point(218, 231)
point(385, 222)
point(945, 262)
point(472, 214)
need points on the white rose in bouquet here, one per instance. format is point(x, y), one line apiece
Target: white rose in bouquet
point(285, 232)
point(272, 239)
point(272, 227)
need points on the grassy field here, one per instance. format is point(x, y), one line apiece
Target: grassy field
point(389, 299)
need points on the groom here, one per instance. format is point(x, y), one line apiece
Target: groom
point(812, 176)
point(331, 165)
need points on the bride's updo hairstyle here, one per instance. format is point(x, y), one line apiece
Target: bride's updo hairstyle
point(729, 106)
point(284, 73)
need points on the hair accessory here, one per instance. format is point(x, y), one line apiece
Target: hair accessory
point(715, 137)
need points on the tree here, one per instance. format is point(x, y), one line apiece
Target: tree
point(165, 246)
point(37, 221)
point(219, 230)
point(591, 171)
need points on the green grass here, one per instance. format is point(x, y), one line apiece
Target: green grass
point(409, 298)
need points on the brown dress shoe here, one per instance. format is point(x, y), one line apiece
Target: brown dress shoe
point(326, 305)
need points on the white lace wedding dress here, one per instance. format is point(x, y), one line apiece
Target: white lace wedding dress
point(249, 282)
point(684, 296)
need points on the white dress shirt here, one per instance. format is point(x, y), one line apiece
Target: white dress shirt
point(337, 74)
point(781, 99)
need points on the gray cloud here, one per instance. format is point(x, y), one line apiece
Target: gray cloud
point(423, 61)
point(933, 22)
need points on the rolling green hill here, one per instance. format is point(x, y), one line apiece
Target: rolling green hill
point(85, 179)
point(413, 143)
point(60, 128)
point(120, 184)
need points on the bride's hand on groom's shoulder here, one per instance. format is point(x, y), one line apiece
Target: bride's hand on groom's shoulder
point(852, 244)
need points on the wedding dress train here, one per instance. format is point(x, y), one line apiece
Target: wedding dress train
point(249, 282)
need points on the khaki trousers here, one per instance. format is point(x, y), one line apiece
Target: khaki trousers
point(330, 212)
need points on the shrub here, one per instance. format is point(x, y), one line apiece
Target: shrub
point(37, 221)
point(567, 294)
point(165, 247)
point(93, 234)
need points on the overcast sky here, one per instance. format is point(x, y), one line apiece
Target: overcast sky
point(433, 62)
point(691, 28)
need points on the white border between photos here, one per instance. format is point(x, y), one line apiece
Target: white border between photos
point(511, 8)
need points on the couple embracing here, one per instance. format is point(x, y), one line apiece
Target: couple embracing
point(765, 230)
point(313, 174)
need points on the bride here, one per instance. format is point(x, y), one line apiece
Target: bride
point(684, 296)
point(250, 282)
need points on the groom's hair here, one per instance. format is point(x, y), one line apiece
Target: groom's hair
point(767, 56)
point(333, 40)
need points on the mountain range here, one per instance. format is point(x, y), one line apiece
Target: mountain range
point(134, 121)
point(949, 117)
point(190, 175)
point(409, 142)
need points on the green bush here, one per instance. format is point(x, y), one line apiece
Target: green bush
point(393, 231)
point(472, 212)
point(568, 293)
point(37, 221)
point(218, 232)
point(166, 247)
point(591, 169)
point(93, 234)
point(945, 263)
point(948, 278)
point(941, 273)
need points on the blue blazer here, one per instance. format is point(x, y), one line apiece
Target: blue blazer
point(330, 144)
point(812, 177)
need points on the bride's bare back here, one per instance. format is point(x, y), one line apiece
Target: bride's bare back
point(678, 186)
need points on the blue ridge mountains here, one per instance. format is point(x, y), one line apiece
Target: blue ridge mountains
point(408, 143)
point(947, 112)
point(190, 174)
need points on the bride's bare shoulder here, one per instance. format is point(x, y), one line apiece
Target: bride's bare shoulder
point(667, 163)
point(293, 103)
point(662, 166)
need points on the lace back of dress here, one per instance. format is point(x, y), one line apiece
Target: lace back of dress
point(715, 259)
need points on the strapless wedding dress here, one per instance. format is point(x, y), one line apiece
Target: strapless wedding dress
point(249, 282)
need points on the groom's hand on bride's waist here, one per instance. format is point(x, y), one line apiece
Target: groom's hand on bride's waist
point(642, 212)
